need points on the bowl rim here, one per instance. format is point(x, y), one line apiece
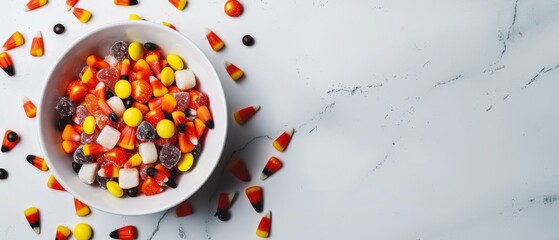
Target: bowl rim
point(41, 121)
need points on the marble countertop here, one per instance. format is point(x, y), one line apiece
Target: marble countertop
point(413, 119)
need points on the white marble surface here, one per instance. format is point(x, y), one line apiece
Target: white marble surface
point(414, 119)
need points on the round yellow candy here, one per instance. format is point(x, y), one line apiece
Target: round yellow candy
point(115, 189)
point(186, 162)
point(175, 61)
point(132, 117)
point(135, 51)
point(123, 89)
point(167, 76)
point(89, 125)
point(165, 128)
point(82, 231)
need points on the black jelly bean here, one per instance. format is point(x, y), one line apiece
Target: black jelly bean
point(132, 192)
point(223, 215)
point(150, 46)
point(12, 137)
point(128, 102)
point(3, 173)
point(248, 40)
point(76, 166)
point(59, 28)
point(63, 122)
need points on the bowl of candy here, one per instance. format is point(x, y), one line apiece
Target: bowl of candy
point(132, 118)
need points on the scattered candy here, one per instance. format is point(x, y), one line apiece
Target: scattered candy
point(185, 79)
point(254, 195)
point(243, 115)
point(224, 201)
point(6, 64)
point(160, 177)
point(134, 16)
point(238, 168)
point(88, 172)
point(204, 114)
point(29, 108)
point(179, 4)
point(33, 218)
point(82, 231)
point(234, 72)
point(283, 140)
point(115, 189)
point(34, 4)
point(264, 226)
point(233, 8)
point(37, 162)
point(82, 14)
point(62, 233)
point(15, 40)
point(215, 42)
point(248, 40)
point(108, 137)
point(148, 152)
point(70, 4)
point(170, 25)
point(124, 233)
point(59, 28)
point(272, 166)
point(184, 209)
point(37, 46)
point(52, 183)
point(126, 2)
point(10, 140)
point(81, 208)
point(3, 173)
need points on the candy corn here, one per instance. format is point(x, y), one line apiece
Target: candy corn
point(179, 4)
point(254, 195)
point(204, 114)
point(150, 187)
point(10, 140)
point(184, 209)
point(134, 16)
point(200, 127)
point(234, 72)
point(6, 64)
point(170, 25)
point(14, 41)
point(82, 209)
point(224, 201)
point(70, 146)
point(37, 162)
point(33, 218)
point(29, 108)
point(91, 149)
point(134, 161)
point(105, 108)
point(52, 183)
point(37, 46)
point(108, 171)
point(34, 4)
point(238, 168)
point(70, 4)
point(117, 155)
point(126, 2)
point(70, 134)
point(169, 103)
point(283, 140)
point(184, 143)
point(158, 88)
point(272, 166)
point(128, 138)
point(243, 115)
point(96, 62)
point(180, 120)
point(82, 14)
point(159, 176)
point(215, 42)
point(62, 233)
point(124, 233)
point(264, 226)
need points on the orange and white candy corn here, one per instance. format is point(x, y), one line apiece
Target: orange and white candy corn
point(62, 233)
point(96, 62)
point(6, 64)
point(243, 115)
point(10, 140)
point(29, 108)
point(157, 87)
point(204, 114)
point(215, 42)
point(70, 146)
point(234, 72)
point(14, 41)
point(184, 209)
point(37, 162)
point(52, 183)
point(81, 208)
point(179, 4)
point(70, 134)
point(134, 161)
point(82, 14)
point(238, 168)
point(265, 225)
point(224, 201)
point(70, 4)
point(254, 195)
point(283, 140)
point(128, 138)
point(37, 46)
point(34, 4)
point(33, 218)
point(272, 166)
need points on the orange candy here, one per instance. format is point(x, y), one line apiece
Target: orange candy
point(6, 64)
point(33, 218)
point(124, 233)
point(238, 168)
point(141, 91)
point(179, 4)
point(69, 133)
point(204, 114)
point(264, 226)
point(234, 72)
point(82, 14)
point(34, 4)
point(233, 8)
point(70, 4)
point(70, 146)
point(243, 115)
point(254, 195)
point(52, 183)
point(10, 140)
point(184, 209)
point(81, 208)
point(125, 2)
point(37, 162)
point(150, 187)
point(184, 143)
point(96, 62)
point(283, 140)
point(127, 138)
point(215, 42)
point(37, 46)
point(272, 166)
point(76, 90)
point(29, 108)
point(15, 40)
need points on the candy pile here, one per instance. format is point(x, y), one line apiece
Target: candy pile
point(133, 119)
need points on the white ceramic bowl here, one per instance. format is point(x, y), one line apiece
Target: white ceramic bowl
point(67, 68)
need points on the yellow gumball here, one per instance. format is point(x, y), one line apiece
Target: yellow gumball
point(132, 117)
point(89, 125)
point(115, 189)
point(165, 128)
point(136, 51)
point(82, 231)
point(175, 61)
point(123, 89)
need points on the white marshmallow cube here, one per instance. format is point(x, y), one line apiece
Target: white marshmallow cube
point(128, 178)
point(117, 105)
point(108, 137)
point(185, 79)
point(88, 172)
point(148, 152)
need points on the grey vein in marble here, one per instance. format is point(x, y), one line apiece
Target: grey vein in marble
point(158, 223)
